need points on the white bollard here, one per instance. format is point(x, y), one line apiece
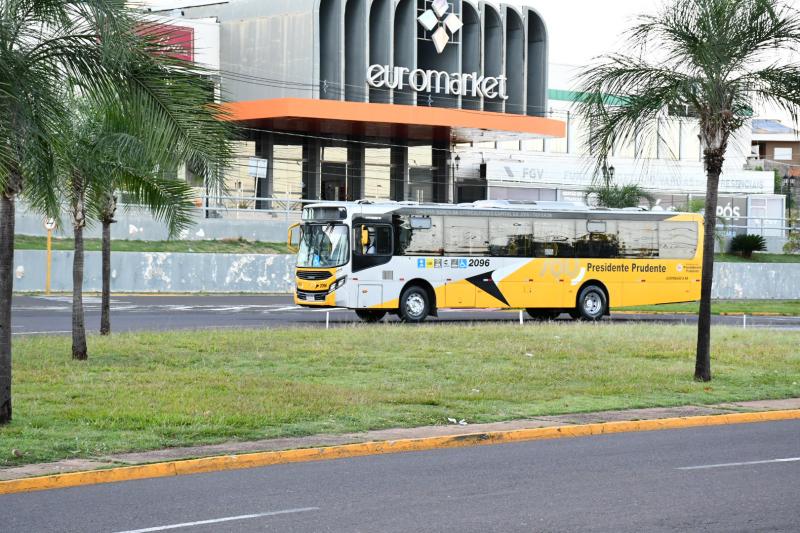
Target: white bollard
point(521, 320)
point(744, 321)
point(328, 320)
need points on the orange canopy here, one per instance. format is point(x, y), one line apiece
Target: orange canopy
point(389, 120)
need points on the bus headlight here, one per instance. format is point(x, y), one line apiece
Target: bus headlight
point(338, 284)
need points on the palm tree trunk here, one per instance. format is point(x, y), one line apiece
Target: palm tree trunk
point(6, 289)
point(79, 350)
point(713, 163)
point(105, 306)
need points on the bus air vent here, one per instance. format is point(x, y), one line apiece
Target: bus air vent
point(388, 275)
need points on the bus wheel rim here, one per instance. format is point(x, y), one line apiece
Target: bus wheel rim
point(592, 304)
point(415, 305)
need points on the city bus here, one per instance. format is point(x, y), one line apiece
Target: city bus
point(547, 258)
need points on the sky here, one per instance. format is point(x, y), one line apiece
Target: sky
point(582, 29)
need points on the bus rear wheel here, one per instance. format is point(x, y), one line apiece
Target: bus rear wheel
point(592, 304)
point(414, 305)
point(370, 315)
point(543, 314)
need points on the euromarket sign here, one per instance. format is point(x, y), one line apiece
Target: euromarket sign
point(438, 82)
point(434, 81)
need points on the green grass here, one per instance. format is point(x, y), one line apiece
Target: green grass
point(224, 246)
point(737, 307)
point(758, 257)
point(152, 390)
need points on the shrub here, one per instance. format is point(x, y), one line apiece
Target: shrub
point(618, 197)
point(745, 245)
point(792, 245)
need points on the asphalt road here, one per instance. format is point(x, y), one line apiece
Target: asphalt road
point(726, 478)
point(34, 315)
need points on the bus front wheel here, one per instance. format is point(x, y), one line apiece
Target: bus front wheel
point(592, 304)
point(370, 315)
point(414, 305)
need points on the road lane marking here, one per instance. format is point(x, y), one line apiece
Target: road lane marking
point(40, 332)
point(745, 463)
point(292, 308)
point(220, 520)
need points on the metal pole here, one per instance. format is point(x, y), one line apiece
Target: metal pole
point(49, 262)
point(288, 198)
point(328, 320)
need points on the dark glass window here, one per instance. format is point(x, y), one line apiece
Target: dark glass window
point(638, 239)
point(510, 237)
point(466, 236)
point(379, 239)
point(597, 240)
point(677, 240)
point(418, 235)
point(554, 238)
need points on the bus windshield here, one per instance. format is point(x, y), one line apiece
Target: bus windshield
point(323, 245)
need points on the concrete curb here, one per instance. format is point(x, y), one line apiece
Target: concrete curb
point(260, 459)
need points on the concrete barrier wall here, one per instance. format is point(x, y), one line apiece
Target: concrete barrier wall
point(757, 281)
point(160, 272)
point(183, 272)
point(138, 225)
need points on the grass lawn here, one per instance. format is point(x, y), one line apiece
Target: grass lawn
point(153, 390)
point(758, 257)
point(738, 307)
point(224, 246)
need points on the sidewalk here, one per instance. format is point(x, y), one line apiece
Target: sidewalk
point(317, 441)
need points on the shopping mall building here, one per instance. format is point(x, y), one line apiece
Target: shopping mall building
point(425, 100)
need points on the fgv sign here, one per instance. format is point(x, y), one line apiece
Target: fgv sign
point(434, 81)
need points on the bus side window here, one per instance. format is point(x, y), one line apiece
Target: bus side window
point(554, 238)
point(598, 240)
point(510, 237)
point(638, 239)
point(677, 240)
point(423, 237)
point(373, 240)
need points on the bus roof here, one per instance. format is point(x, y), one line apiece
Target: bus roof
point(499, 208)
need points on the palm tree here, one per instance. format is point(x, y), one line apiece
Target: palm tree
point(715, 59)
point(168, 198)
point(43, 44)
point(91, 46)
point(123, 144)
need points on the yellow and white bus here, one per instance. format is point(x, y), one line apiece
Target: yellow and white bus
point(548, 258)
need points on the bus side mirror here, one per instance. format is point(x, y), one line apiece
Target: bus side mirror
point(290, 239)
point(364, 236)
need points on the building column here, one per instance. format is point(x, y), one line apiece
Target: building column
point(356, 167)
point(312, 169)
point(442, 178)
point(265, 149)
point(398, 172)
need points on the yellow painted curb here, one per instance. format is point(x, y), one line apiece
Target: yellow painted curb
point(252, 460)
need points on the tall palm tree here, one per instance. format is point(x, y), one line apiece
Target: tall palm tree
point(714, 58)
point(160, 117)
point(45, 46)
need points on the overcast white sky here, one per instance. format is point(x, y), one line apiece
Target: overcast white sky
point(582, 29)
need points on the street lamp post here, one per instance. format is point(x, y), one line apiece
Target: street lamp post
point(788, 187)
point(454, 164)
